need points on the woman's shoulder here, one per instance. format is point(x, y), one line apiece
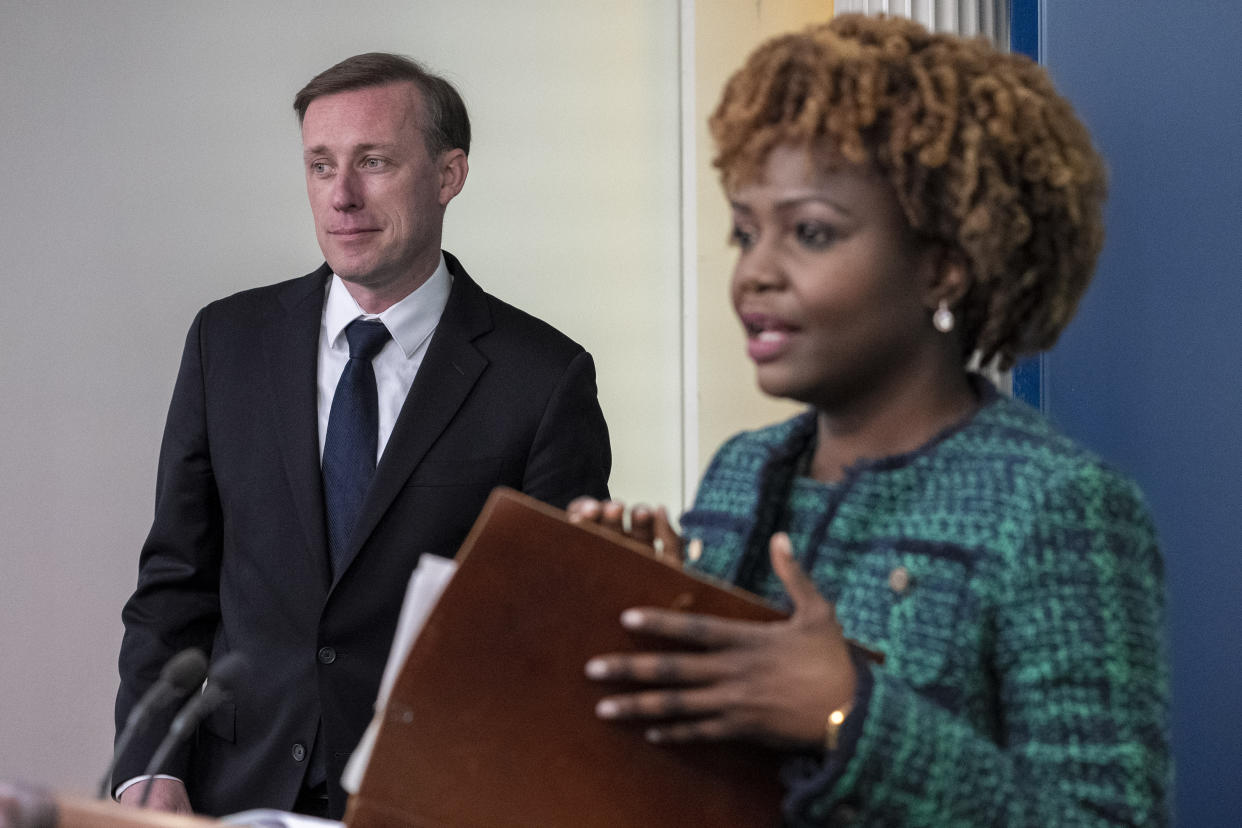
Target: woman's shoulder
point(754, 447)
point(732, 480)
point(1037, 457)
point(1009, 427)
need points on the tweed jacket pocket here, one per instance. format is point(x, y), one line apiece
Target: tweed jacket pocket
point(908, 601)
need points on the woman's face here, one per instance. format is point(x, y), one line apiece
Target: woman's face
point(829, 284)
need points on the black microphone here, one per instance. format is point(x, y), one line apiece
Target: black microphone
point(181, 675)
point(219, 688)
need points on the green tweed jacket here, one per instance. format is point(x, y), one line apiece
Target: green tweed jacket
point(1014, 585)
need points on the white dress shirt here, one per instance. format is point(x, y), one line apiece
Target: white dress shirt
point(411, 322)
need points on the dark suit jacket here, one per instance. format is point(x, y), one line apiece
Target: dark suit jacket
point(237, 555)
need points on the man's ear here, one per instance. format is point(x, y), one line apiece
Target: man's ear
point(947, 277)
point(453, 170)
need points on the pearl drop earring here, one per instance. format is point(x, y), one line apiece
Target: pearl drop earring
point(943, 318)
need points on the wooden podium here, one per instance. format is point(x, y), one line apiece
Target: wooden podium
point(490, 723)
point(77, 812)
point(491, 719)
point(35, 807)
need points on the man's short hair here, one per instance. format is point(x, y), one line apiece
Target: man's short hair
point(448, 125)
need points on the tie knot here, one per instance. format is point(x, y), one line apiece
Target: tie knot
point(366, 338)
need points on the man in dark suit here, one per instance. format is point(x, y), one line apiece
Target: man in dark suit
point(278, 533)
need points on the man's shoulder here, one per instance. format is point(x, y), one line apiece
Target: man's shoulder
point(286, 292)
point(513, 321)
point(503, 328)
point(255, 308)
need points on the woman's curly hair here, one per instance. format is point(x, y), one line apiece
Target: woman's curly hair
point(983, 154)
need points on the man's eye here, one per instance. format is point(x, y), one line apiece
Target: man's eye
point(373, 163)
point(815, 234)
point(742, 238)
point(319, 168)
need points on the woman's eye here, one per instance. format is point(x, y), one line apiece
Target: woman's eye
point(815, 234)
point(741, 238)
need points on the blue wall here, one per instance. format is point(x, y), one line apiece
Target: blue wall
point(1150, 372)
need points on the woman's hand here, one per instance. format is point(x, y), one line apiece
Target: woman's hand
point(647, 525)
point(773, 682)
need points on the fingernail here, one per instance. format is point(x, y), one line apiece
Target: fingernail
point(654, 735)
point(783, 545)
point(597, 668)
point(632, 619)
point(607, 709)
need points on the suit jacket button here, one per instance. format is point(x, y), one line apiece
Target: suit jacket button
point(327, 655)
point(299, 751)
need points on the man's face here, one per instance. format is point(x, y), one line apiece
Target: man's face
point(377, 196)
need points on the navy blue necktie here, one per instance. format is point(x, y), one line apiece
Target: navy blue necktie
point(353, 429)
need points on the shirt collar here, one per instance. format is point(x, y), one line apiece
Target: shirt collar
point(410, 321)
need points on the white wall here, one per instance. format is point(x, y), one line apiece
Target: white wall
point(151, 164)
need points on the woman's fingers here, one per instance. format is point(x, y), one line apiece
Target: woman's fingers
point(642, 524)
point(646, 525)
point(673, 669)
point(583, 509)
point(607, 513)
point(704, 632)
point(660, 704)
point(667, 542)
point(798, 585)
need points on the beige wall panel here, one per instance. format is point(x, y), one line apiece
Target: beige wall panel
point(728, 399)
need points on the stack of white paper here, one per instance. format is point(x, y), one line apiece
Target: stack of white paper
point(429, 579)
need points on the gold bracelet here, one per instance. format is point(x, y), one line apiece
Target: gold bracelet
point(832, 730)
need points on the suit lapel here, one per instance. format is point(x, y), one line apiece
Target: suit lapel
point(292, 344)
point(449, 371)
